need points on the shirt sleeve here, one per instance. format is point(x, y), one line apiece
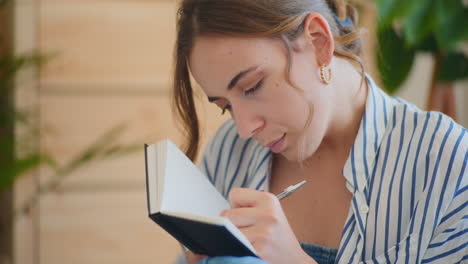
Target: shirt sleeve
point(449, 243)
point(210, 161)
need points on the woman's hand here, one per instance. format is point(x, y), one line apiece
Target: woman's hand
point(259, 216)
point(191, 257)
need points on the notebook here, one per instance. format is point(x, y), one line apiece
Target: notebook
point(186, 204)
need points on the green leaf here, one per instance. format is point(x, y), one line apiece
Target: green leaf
point(453, 67)
point(391, 10)
point(428, 45)
point(10, 65)
point(6, 3)
point(95, 150)
point(121, 150)
point(451, 23)
point(19, 168)
point(394, 59)
point(419, 23)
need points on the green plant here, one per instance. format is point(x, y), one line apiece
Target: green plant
point(18, 151)
point(10, 117)
point(103, 147)
point(24, 155)
point(438, 27)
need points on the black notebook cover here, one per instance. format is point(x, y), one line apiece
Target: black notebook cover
point(202, 238)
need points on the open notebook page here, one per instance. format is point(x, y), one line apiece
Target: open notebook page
point(186, 189)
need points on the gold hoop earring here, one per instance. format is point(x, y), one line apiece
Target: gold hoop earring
point(325, 79)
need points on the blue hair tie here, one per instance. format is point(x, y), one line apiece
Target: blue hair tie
point(346, 23)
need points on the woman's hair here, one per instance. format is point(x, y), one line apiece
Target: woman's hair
point(281, 19)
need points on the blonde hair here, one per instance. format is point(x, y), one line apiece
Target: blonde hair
point(281, 19)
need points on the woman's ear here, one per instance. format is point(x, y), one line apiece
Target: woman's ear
point(318, 34)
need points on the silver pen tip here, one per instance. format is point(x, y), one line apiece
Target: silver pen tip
point(300, 184)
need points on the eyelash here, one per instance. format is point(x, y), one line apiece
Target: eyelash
point(227, 107)
point(246, 93)
point(253, 89)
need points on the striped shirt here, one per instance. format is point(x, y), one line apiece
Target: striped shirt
point(407, 171)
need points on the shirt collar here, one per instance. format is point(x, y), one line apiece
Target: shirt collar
point(357, 169)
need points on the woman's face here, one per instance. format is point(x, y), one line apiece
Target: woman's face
point(247, 77)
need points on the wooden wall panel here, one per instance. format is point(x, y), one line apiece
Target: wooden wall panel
point(117, 43)
point(102, 227)
point(72, 123)
point(26, 96)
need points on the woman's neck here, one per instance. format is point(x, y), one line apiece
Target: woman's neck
point(349, 100)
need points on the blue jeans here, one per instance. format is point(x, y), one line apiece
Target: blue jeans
point(320, 254)
point(231, 260)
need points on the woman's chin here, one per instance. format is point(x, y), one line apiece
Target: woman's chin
point(291, 156)
point(297, 156)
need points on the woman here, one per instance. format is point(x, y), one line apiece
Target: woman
point(387, 182)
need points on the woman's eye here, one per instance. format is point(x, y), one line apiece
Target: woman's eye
point(253, 89)
point(227, 107)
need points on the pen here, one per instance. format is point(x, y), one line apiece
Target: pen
point(291, 189)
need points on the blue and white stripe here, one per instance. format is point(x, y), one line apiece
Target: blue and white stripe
point(408, 174)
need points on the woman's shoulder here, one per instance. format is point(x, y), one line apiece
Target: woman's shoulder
point(402, 117)
point(438, 127)
point(437, 144)
point(399, 113)
point(431, 139)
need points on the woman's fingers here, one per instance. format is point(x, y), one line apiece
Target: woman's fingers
point(243, 197)
point(250, 207)
point(257, 235)
point(247, 216)
point(242, 217)
point(259, 216)
point(193, 258)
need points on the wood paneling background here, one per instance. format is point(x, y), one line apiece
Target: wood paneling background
point(111, 65)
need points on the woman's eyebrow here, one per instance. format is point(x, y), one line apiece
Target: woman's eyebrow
point(239, 76)
point(234, 81)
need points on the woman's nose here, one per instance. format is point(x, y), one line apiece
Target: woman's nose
point(248, 122)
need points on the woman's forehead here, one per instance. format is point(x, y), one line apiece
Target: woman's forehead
point(224, 57)
point(208, 50)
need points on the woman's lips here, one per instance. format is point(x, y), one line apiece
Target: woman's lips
point(277, 145)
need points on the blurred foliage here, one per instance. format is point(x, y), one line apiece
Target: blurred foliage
point(23, 147)
point(438, 27)
point(103, 147)
point(9, 67)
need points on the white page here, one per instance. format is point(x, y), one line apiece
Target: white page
point(161, 152)
point(152, 182)
point(186, 189)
